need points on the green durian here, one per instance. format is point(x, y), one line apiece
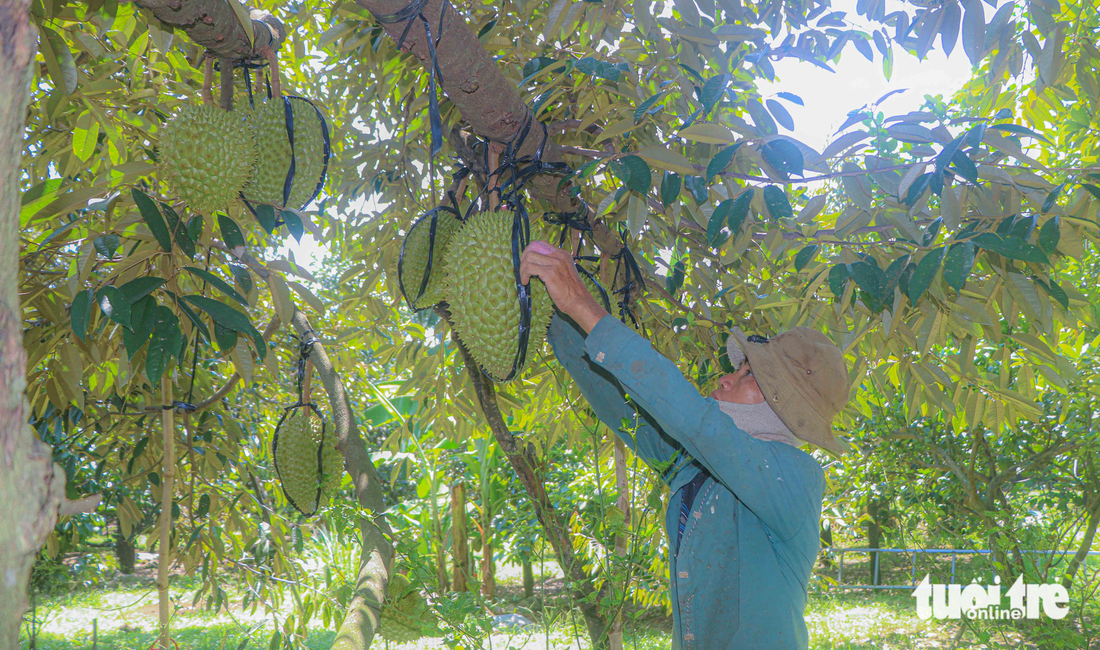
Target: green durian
point(414, 258)
point(295, 453)
point(269, 123)
point(481, 291)
point(206, 156)
point(309, 152)
point(266, 186)
point(406, 616)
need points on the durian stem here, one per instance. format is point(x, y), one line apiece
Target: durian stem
point(227, 83)
point(207, 82)
point(495, 150)
point(306, 381)
point(276, 79)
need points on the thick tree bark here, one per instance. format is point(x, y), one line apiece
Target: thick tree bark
point(30, 488)
point(213, 24)
point(459, 551)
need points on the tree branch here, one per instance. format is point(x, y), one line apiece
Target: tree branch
point(213, 24)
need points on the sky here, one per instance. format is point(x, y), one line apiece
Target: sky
point(828, 97)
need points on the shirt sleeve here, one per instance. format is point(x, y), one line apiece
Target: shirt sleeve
point(780, 484)
point(611, 406)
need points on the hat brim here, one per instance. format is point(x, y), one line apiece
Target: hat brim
point(781, 392)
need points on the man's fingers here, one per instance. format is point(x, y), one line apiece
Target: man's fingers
point(541, 247)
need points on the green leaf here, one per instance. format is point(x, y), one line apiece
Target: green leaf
point(647, 107)
point(739, 211)
point(167, 339)
point(965, 167)
point(721, 160)
point(634, 173)
point(80, 313)
point(1011, 247)
point(924, 273)
point(243, 278)
point(917, 188)
point(191, 316)
point(226, 338)
point(143, 319)
point(957, 264)
point(106, 245)
point(114, 305)
point(231, 232)
point(265, 214)
point(138, 288)
point(717, 220)
point(670, 188)
point(204, 506)
point(179, 231)
point(1021, 130)
point(778, 205)
point(780, 114)
point(947, 155)
point(805, 256)
point(218, 283)
point(838, 279)
point(1092, 189)
point(784, 156)
point(697, 185)
point(1052, 198)
point(890, 278)
point(153, 219)
point(868, 277)
point(85, 136)
point(230, 318)
point(791, 97)
point(1050, 234)
point(1056, 292)
point(713, 90)
point(293, 224)
point(59, 60)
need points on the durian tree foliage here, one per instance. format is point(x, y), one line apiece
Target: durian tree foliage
point(934, 247)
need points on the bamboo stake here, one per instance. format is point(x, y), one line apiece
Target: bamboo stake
point(166, 485)
point(207, 82)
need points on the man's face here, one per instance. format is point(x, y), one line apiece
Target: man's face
point(738, 387)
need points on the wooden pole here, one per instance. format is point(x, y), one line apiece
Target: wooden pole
point(458, 536)
point(166, 486)
point(623, 503)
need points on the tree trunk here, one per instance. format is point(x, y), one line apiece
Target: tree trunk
point(577, 579)
point(874, 540)
point(623, 503)
point(361, 621)
point(31, 488)
point(458, 537)
point(213, 24)
point(488, 570)
point(439, 541)
point(528, 578)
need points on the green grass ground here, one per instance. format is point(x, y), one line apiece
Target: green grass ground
point(126, 619)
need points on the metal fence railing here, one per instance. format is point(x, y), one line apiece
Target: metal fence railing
point(954, 552)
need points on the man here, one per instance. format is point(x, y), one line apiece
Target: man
point(743, 516)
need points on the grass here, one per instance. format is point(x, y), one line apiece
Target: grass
point(126, 618)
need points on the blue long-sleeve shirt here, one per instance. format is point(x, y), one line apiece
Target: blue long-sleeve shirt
point(740, 570)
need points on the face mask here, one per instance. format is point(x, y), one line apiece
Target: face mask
point(759, 421)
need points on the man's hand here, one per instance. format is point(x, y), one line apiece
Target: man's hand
point(556, 270)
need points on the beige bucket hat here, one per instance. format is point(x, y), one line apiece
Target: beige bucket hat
point(803, 377)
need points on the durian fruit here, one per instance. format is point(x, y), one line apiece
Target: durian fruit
point(481, 291)
point(405, 614)
point(269, 123)
point(309, 152)
point(206, 156)
point(594, 290)
point(414, 258)
point(295, 453)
